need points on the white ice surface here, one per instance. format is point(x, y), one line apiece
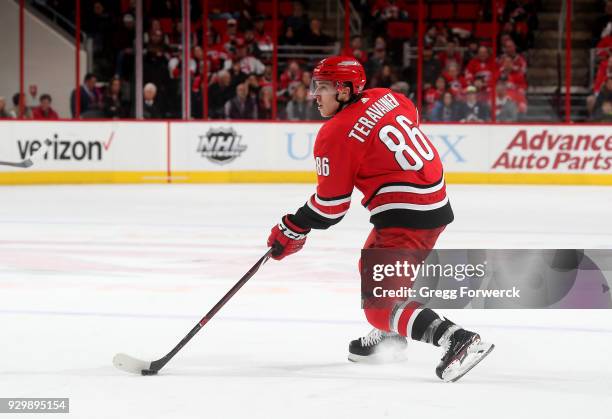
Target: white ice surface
point(89, 271)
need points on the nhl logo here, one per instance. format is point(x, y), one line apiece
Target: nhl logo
point(221, 145)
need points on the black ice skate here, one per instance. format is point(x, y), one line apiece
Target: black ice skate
point(378, 347)
point(463, 350)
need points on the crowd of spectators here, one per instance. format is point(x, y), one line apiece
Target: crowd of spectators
point(599, 103)
point(239, 59)
point(43, 111)
point(459, 73)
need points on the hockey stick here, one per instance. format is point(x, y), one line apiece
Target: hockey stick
point(23, 164)
point(129, 364)
point(27, 162)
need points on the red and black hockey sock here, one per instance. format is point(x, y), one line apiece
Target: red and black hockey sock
point(428, 327)
point(422, 324)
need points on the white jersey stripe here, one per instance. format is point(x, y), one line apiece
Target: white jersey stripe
point(411, 189)
point(331, 203)
point(416, 207)
point(321, 213)
point(410, 325)
point(398, 310)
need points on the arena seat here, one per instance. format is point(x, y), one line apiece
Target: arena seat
point(219, 25)
point(285, 8)
point(413, 10)
point(467, 11)
point(265, 7)
point(400, 30)
point(269, 25)
point(441, 11)
point(220, 5)
point(483, 30)
point(167, 25)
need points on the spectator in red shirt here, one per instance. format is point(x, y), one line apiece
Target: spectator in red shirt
point(229, 37)
point(44, 110)
point(518, 98)
point(603, 73)
point(218, 58)
point(450, 55)
point(432, 94)
point(454, 81)
point(292, 74)
point(604, 47)
point(518, 62)
point(483, 90)
point(602, 27)
point(263, 40)
point(482, 65)
point(515, 80)
point(357, 49)
point(195, 63)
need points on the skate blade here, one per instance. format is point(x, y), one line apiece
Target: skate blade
point(476, 352)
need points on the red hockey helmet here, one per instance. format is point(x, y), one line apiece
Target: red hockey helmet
point(339, 69)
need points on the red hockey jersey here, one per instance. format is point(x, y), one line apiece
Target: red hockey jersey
point(375, 144)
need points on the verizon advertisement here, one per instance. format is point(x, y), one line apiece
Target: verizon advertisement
point(85, 146)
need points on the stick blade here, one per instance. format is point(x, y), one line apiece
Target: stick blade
point(27, 163)
point(130, 364)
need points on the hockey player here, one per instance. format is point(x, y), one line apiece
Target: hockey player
point(373, 142)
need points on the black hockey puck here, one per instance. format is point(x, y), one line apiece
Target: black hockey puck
point(148, 372)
